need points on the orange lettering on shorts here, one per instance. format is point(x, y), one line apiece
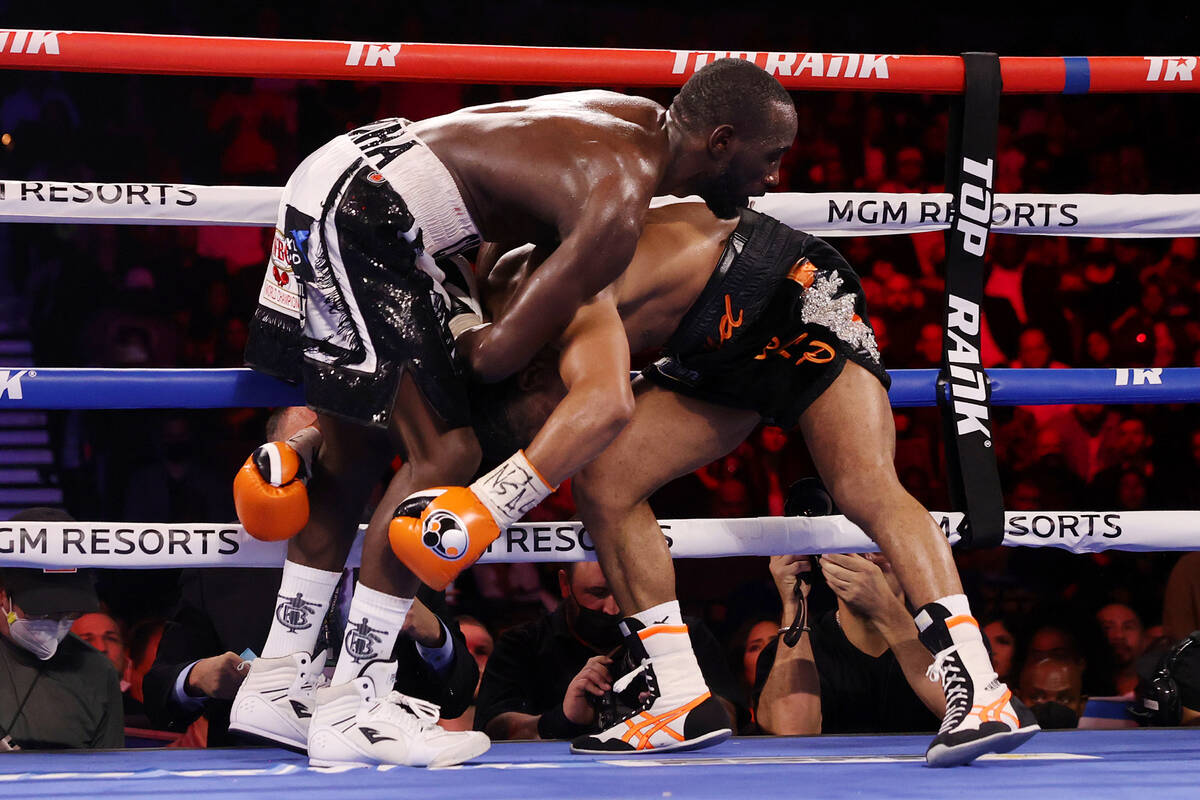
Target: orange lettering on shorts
point(816, 352)
point(728, 323)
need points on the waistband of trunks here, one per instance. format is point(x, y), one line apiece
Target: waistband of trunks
point(760, 252)
point(430, 193)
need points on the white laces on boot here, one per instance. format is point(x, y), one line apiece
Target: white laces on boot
point(409, 712)
point(622, 683)
point(949, 672)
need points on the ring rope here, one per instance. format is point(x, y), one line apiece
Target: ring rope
point(65, 388)
point(166, 54)
point(143, 545)
point(825, 213)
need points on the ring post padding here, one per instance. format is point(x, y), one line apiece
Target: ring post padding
point(964, 390)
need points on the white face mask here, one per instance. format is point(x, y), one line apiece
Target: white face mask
point(39, 636)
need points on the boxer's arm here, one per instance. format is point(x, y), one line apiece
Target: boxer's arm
point(594, 250)
point(594, 366)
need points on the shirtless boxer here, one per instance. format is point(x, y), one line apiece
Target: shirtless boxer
point(366, 288)
point(776, 332)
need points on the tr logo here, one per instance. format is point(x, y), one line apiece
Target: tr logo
point(361, 642)
point(294, 612)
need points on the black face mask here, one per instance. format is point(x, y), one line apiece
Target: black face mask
point(595, 627)
point(1055, 716)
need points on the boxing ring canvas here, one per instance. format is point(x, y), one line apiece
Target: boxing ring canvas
point(1055, 764)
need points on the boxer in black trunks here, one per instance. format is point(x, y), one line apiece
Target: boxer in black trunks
point(776, 331)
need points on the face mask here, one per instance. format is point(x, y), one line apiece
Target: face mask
point(1055, 716)
point(39, 636)
point(597, 628)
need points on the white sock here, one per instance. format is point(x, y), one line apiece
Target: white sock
point(956, 604)
point(667, 613)
point(372, 627)
point(300, 607)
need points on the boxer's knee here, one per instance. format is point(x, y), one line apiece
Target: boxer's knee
point(452, 460)
point(867, 497)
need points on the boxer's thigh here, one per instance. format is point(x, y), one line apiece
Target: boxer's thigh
point(851, 435)
point(669, 436)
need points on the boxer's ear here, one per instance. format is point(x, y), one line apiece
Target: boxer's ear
point(720, 141)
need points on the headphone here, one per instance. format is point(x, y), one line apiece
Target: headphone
point(1158, 698)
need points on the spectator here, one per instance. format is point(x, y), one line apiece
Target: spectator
point(861, 669)
point(196, 670)
point(1002, 647)
point(1053, 690)
point(104, 633)
point(1058, 486)
point(544, 678)
point(1086, 432)
point(757, 636)
point(1053, 641)
point(1129, 453)
point(60, 692)
point(1123, 629)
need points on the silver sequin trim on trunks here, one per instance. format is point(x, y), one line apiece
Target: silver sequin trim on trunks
point(820, 307)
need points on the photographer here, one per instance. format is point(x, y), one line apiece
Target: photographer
point(545, 678)
point(860, 669)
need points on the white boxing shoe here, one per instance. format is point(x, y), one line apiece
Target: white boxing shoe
point(675, 709)
point(364, 722)
point(275, 702)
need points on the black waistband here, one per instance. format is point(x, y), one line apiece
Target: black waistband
point(758, 255)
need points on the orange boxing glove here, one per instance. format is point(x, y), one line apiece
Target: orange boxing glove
point(270, 491)
point(449, 535)
point(440, 532)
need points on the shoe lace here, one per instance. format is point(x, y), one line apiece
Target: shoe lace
point(947, 668)
point(619, 704)
point(622, 683)
point(313, 681)
point(410, 712)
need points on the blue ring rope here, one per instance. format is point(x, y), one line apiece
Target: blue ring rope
point(60, 388)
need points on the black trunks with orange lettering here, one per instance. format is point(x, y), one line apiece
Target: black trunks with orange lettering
point(774, 326)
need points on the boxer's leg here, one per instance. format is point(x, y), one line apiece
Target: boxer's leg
point(275, 701)
point(383, 598)
point(668, 436)
point(436, 455)
point(851, 436)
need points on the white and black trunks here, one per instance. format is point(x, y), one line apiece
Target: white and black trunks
point(367, 267)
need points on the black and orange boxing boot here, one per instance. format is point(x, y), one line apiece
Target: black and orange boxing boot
point(671, 707)
point(982, 714)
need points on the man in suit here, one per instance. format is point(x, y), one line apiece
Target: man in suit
point(198, 668)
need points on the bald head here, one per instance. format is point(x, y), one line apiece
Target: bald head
point(1053, 680)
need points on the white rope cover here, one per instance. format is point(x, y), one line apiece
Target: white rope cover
point(122, 545)
point(829, 214)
